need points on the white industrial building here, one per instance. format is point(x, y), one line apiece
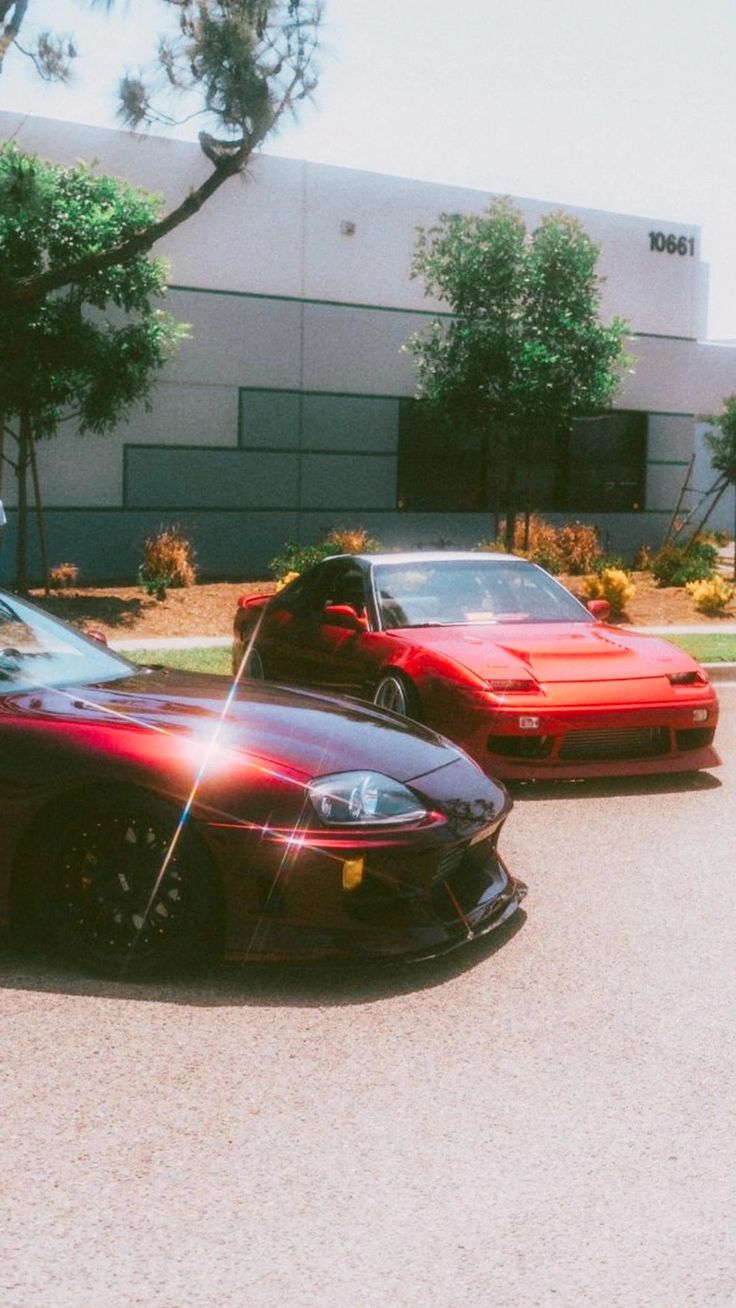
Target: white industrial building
point(289, 410)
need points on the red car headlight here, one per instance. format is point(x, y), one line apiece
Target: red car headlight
point(691, 678)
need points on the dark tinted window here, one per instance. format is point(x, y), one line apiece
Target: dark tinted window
point(597, 466)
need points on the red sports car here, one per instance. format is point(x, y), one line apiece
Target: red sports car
point(491, 651)
point(149, 816)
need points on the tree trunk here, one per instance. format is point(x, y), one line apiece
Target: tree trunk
point(511, 494)
point(40, 523)
point(21, 471)
point(528, 458)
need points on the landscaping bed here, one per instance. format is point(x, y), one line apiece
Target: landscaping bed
point(207, 609)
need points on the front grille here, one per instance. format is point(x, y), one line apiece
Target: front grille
point(615, 743)
point(468, 881)
point(450, 861)
point(520, 746)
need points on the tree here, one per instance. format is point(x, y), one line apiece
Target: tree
point(523, 351)
point(722, 445)
point(241, 64)
point(92, 351)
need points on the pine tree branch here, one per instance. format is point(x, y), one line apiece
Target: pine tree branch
point(28, 289)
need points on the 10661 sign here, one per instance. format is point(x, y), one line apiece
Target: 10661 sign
point(669, 244)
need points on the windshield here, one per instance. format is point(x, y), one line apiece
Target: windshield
point(37, 651)
point(460, 591)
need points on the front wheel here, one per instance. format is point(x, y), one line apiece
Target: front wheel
point(398, 695)
point(126, 891)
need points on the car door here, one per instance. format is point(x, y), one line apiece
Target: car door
point(286, 634)
point(340, 652)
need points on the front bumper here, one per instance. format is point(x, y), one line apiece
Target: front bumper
point(410, 903)
point(571, 743)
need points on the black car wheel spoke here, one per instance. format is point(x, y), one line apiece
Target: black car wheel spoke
point(122, 891)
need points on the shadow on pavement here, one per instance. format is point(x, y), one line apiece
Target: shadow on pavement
point(613, 787)
point(262, 985)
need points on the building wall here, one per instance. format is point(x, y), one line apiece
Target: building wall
point(279, 416)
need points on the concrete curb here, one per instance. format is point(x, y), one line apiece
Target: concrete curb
point(720, 673)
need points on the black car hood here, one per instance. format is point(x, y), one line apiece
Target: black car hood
point(311, 733)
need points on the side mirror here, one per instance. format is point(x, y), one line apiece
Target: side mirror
point(342, 615)
point(600, 609)
point(98, 636)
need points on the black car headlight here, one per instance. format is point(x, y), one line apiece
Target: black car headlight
point(362, 798)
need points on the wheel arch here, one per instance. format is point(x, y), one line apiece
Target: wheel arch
point(38, 831)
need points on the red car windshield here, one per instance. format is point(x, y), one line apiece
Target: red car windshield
point(36, 651)
point(463, 591)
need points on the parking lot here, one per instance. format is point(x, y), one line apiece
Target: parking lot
point(545, 1119)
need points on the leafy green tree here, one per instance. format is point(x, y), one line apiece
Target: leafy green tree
point(240, 64)
point(92, 351)
point(523, 351)
point(722, 445)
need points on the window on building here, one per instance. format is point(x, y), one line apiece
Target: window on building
point(599, 466)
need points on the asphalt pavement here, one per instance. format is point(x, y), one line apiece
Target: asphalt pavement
point(543, 1120)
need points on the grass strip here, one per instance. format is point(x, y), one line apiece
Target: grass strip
point(706, 648)
point(212, 659)
point(714, 648)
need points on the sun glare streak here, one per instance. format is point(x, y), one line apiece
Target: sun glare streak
point(186, 810)
point(293, 846)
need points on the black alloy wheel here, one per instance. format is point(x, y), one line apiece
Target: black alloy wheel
point(126, 892)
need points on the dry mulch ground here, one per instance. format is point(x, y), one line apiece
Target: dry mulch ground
point(126, 611)
point(207, 609)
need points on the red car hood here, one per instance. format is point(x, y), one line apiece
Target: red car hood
point(553, 652)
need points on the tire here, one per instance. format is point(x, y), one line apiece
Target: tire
point(253, 663)
point(396, 693)
point(124, 892)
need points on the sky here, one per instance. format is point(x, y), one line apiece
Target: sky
point(627, 106)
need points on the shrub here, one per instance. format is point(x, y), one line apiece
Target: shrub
point(351, 540)
point(608, 561)
point(676, 565)
point(571, 548)
point(287, 578)
point(296, 558)
point(643, 559)
point(711, 595)
point(544, 545)
point(612, 584)
point(579, 547)
point(63, 576)
point(168, 561)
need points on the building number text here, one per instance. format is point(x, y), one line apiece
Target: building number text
point(671, 244)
